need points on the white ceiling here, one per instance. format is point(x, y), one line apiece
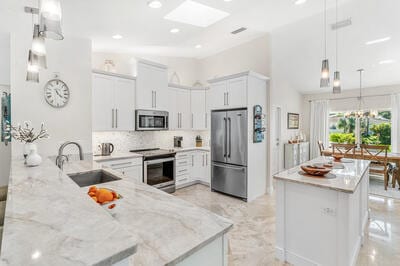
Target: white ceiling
point(297, 48)
point(146, 32)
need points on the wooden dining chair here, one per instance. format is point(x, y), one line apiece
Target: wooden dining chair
point(321, 147)
point(377, 154)
point(347, 150)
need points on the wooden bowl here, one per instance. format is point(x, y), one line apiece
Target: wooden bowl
point(337, 157)
point(315, 170)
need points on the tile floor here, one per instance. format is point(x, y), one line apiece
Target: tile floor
point(252, 239)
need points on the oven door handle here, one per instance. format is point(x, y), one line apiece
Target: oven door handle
point(150, 162)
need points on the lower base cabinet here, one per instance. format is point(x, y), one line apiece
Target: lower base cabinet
point(132, 168)
point(192, 167)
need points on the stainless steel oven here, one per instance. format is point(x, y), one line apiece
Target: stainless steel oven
point(160, 173)
point(147, 120)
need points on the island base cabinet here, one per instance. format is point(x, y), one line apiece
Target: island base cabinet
point(213, 254)
point(319, 226)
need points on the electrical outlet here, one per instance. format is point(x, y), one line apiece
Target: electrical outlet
point(329, 211)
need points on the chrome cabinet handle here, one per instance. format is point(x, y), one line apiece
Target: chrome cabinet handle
point(116, 118)
point(112, 118)
point(206, 120)
point(192, 121)
point(203, 160)
point(225, 140)
point(227, 98)
point(206, 159)
point(155, 99)
point(230, 137)
point(192, 160)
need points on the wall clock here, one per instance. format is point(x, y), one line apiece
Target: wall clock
point(56, 93)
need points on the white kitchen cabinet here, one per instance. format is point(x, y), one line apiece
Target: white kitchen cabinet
point(180, 117)
point(152, 86)
point(113, 103)
point(192, 167)
point(228, 93)
point(131, 168)
point(296, 154)
point(198, 109)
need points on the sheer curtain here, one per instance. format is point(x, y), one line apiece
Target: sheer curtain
point(319, 126)
point(396, 123)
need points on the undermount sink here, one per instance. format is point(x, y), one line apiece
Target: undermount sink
point(93, 178)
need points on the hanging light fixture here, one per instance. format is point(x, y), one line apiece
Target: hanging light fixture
point(50, 19)
point(360, 113)
point(325, 81)
point(337, 88)
point(33, 68)
point(39, 47)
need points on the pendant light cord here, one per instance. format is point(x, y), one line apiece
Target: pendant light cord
point(325, 18)
point(337, 42)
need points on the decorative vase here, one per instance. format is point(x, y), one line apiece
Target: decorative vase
point(27, 149)
point(33, 159)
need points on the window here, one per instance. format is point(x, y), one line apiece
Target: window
point(374, 127)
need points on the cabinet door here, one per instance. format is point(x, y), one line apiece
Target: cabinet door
point(133, 172)
point(172, 110)
point(217, 95)
point(237, 92)
point(183, 106)
point(151, 87)
point(103, 103)
point(124, 104)
point(198, 106)
point(207, 168)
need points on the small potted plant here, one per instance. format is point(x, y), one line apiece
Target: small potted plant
point(27, 135)
point(199, 141)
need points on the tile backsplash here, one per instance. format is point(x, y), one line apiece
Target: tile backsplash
point(131, 140)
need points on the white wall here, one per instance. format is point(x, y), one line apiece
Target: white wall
point(254, 55)
point(5, 151)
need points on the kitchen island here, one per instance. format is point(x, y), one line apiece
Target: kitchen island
point(321, 220)
point(50, 220)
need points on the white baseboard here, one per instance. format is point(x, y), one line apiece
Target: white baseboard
point(293, 258)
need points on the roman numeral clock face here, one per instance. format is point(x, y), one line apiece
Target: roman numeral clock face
point(56, 93)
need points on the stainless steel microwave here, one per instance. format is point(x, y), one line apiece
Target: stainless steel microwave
point(147, 120)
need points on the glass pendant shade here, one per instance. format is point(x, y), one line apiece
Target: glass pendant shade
point(50, 19)
point(39, 47)
point(337, 88)
point(325, 74)
point(33, 68)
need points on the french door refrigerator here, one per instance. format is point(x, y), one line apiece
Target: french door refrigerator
point(229, 152)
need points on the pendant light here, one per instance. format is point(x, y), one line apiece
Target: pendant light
point(39, 47)
point(50, 19)
point(360, 112)
point(33, 68)
point(337, 88)
point(325, 81)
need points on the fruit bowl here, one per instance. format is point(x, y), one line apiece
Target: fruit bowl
point(315, 170)
point(337, 157)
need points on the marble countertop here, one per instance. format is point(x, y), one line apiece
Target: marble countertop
point(191, 149)
point(116, 156)
point(49, 221)
point(347, 175)
point(169, 229)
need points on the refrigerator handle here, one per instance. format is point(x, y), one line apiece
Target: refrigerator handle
point(230, 137)
point(225, 137)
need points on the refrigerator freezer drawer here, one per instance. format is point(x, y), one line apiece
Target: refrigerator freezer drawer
point(229, 179)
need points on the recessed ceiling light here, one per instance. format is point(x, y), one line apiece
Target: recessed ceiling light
point(228, 0)
point(388, 61)
point(379, 40)
point(117, 37)
point(175, 30)
point(154, 3)
point(299, 2)
point(193, 13)
point(198, 46)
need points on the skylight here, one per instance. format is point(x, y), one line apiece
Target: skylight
point(193, 13)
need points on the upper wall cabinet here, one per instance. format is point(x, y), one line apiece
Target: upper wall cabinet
point(180, 116)
point(198, 109)
point(228, 93)
point(5, 59)
point(113, 103)
point(151, 86)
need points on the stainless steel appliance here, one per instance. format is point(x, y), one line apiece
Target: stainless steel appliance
point(106, 149)
point(159, 168)
point(147, 120)
point(229, 152)
point(178, 142)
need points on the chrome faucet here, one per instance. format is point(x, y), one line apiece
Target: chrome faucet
point(61, 158)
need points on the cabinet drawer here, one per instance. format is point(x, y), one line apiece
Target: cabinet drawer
point(182, 162)
point(182, 155)
point(182, 180)
point(122, 163)
point(182, 171)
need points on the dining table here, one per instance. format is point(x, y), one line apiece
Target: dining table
point(392, 157)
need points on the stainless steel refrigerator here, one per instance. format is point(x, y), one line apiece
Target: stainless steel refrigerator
point(229, 152)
